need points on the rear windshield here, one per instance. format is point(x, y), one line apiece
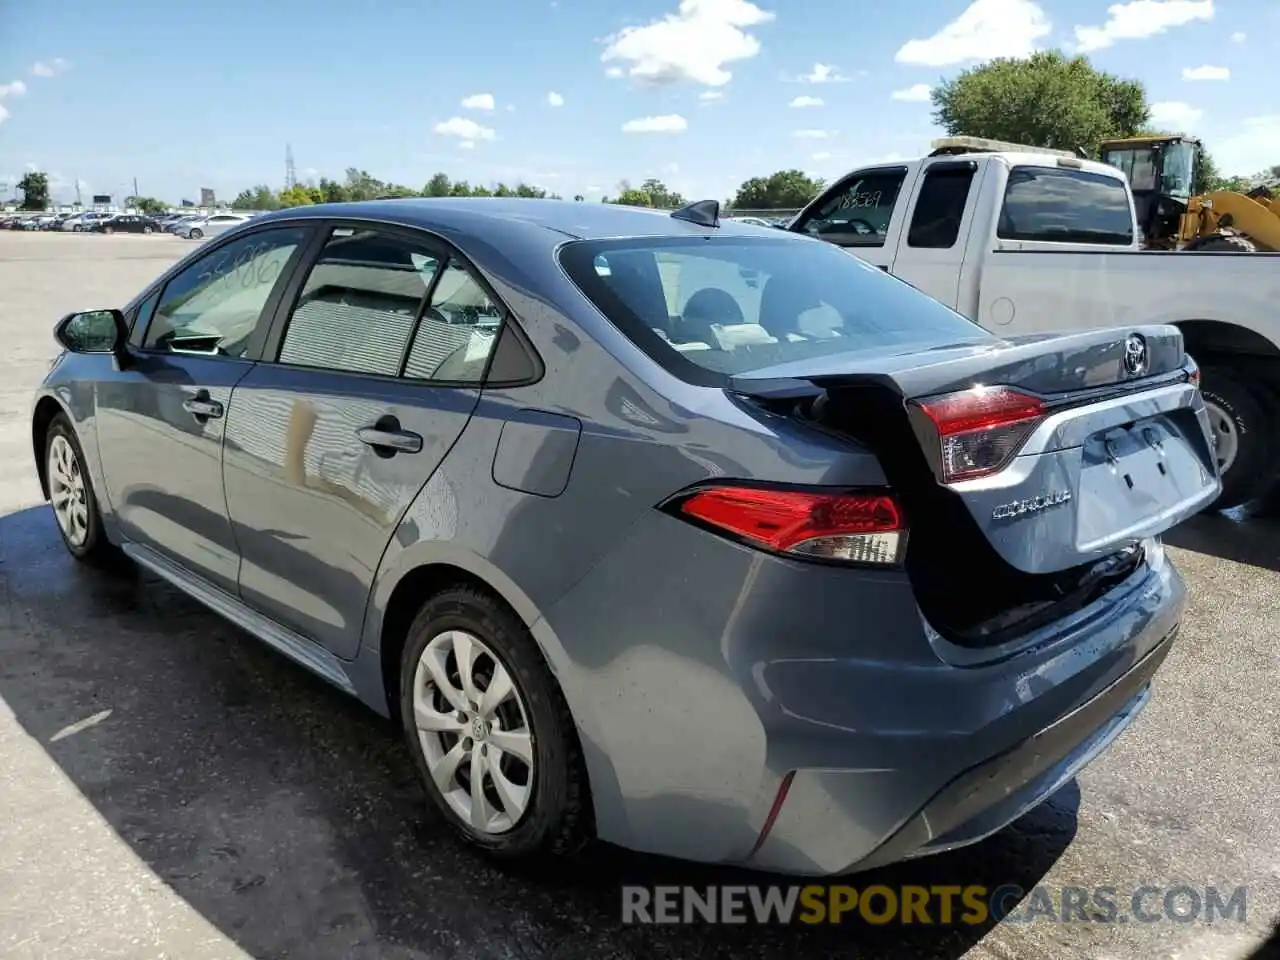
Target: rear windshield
point(722, 306)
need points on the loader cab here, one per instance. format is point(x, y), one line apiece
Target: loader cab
point(1162, 174)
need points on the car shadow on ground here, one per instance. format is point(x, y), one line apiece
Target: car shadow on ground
point(288, 815)
point(1233, 535)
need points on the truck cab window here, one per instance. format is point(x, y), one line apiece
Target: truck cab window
point(935, 222)
point(856, 213)
point(1065, 206)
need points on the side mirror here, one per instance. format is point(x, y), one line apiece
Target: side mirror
point(93, 331)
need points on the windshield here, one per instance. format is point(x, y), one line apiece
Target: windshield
point(1179, 170)
point(711, 308)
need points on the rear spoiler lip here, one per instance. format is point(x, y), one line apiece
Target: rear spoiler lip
point(796, 388)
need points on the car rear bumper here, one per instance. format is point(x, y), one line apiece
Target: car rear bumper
point(722, 691)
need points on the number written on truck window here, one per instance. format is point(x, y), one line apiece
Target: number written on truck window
point(857, 212)
point(1065, 206)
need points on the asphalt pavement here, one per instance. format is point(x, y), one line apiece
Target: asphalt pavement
point(171, 788)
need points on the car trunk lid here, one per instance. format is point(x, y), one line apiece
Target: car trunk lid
point(1114, 450)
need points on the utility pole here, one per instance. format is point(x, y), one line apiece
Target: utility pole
point(78, 204)
point(290, 170)
point(135, 188)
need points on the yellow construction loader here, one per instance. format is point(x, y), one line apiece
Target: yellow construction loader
point(1162, 172)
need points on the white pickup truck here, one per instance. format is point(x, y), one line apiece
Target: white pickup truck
point(1032, 241)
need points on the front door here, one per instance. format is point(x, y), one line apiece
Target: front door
point(161, 421)
point(377, 372)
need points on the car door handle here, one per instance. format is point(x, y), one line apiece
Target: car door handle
point(202, 407)
point(394, 440)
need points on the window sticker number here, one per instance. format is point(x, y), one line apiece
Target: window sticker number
point(859, 201)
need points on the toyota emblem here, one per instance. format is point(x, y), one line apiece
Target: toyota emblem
point(1135, 355)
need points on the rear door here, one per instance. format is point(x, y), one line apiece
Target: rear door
point(861, 212)
point(161, 420)
point(376, 360)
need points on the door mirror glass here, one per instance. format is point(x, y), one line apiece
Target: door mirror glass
point(93, 331)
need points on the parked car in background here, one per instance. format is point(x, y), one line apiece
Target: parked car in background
point(754, 221)
point(124, 223)
point(840, 578)
point(210, 226)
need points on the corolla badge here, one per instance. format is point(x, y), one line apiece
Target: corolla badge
point(1135, 355)
point(1020, 508)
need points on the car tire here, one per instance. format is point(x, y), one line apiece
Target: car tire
point(1242, 419)
point(196, 234)
point(555, 817)
point(146, 229)
point(68, 476)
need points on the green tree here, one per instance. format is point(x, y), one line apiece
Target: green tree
point(332, 191)
point(146, 204)
point(300, 196)
point(439, 186)
point(361, 185)
point(1045, 100)
point(651, 193)
point(260, 197)
point(784, 190)
point(35, 191)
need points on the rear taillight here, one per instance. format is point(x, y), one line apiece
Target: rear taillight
point(1193, 371)
point(981, 430)
point(838, 525)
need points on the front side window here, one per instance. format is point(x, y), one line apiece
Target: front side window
point(357, 309)
point(857, 213)
point(1065, 206)
point(689, 305)
point(214, 305)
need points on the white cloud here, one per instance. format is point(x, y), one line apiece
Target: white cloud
point(593, 190)
point(1206, 73)
point(821, 73)
point(465, 130)
point(50, 68)
point(1253, 149)
point(311, 173)
point(1140, 19)
point(614, 72)
point(821, 155)
point(985, 29)
point(670, 123)
point(811, 134)
point(33, 167)
point(710, 96)
point(916, 93)
point(1175, 113)
point(555, 99)
point(806, 102)
point(693, 44)
point(1239, 37)
point(15, 89)
point(4, 114)
point(478, 101)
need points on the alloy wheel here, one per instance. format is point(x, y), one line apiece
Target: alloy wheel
point(474, 731)
point(1226, 436)
point(67, 491)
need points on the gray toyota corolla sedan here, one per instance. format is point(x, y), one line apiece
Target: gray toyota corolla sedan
point(694, 536)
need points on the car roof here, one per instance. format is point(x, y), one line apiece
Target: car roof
point(578, 220)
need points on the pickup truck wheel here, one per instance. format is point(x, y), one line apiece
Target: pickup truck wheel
point(1241, 420)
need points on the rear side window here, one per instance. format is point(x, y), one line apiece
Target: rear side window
point(935, 222)
point(458, 332)
point(357, 309)
point(1065, 206)
point(857, 213)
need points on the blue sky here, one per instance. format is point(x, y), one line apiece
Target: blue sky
point(573, 95)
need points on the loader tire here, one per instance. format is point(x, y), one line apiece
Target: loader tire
point(1221, 243)
point(1242, 418)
